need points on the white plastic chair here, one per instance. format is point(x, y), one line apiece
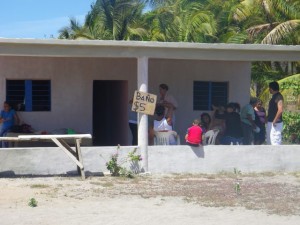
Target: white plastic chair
point(210, 137)
point(164, 137)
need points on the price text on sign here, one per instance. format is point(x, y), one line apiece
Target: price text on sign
point(144, 103)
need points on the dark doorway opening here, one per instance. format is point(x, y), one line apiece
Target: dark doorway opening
point(110, 119)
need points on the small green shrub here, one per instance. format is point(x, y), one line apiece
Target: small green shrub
point(32, 202)
point(237, 183)
point(114, 165)
point(133, 157)
point(291, 129)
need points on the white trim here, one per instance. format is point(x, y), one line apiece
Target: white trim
point(135, 49)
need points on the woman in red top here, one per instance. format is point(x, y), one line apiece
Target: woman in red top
point(194, 134)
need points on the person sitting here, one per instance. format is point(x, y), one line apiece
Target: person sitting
point(205, 122)
point(217, 119)
point(161, 123)
point(8, 118)
point(194, 134)
point(233, 129)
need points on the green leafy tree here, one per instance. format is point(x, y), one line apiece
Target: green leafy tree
point(180, 21)
point(109, 20)
point(270, 21)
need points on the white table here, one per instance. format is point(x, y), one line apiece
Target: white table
point(74, 154)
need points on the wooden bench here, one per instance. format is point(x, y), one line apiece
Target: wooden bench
point(60, 140)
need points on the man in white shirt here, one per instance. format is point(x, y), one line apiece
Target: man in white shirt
point(168, 101)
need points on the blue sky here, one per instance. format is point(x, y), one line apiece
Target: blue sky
point(39, 18)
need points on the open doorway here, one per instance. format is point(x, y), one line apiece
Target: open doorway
point(110, 119)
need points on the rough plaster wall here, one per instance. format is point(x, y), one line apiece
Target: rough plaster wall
point(72, 85)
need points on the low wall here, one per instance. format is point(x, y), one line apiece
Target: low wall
point(162, 159)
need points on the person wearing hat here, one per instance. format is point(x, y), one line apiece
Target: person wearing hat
point(248, 121)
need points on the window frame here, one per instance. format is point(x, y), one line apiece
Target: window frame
point(210, 95)
point(29, 95)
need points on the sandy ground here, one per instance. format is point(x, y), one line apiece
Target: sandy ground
point(157, 199)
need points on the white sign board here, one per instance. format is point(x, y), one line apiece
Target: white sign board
point(144, 103)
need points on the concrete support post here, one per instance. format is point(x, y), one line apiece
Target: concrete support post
point(143, 118)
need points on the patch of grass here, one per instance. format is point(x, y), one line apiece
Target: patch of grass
point(264, 174)
point(96, 183)
point(39, 186)
point(296, 174)
point(107, 184)
point(32, 202)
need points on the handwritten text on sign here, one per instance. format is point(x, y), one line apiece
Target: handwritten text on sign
point(144, 103)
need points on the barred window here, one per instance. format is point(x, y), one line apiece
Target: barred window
point(206, 93)
point(29, 95)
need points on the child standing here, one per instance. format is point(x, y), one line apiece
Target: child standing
point(194, 134)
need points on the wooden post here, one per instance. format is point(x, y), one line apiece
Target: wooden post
point(143, 118)
point(79, 157)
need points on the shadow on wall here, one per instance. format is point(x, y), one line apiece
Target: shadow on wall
point(199, 151)
point(12, 174)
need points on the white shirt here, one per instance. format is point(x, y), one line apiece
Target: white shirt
point(161, 125)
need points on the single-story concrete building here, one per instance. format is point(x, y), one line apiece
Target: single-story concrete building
point(86, 85)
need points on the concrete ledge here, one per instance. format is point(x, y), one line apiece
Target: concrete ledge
point(162, 159)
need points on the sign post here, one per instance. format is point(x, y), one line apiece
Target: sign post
point(144, 103)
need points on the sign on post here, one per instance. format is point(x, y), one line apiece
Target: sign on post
point(144, 103)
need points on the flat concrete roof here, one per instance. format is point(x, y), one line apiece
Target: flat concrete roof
point(158, 50)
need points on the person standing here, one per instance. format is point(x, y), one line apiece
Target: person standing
point(133, 124)
point(275, 110)
point(248, 121)
point(168, 101)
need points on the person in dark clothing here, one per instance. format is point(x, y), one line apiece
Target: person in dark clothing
point(275, 110)
point(233, 130)
point(205, 122)
point(260, 121)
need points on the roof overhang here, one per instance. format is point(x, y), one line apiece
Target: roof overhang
point(159, 50)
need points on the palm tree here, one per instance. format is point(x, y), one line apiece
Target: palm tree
point(110, 20)
point(271, 21)
point(73, 31)
point(180, 21)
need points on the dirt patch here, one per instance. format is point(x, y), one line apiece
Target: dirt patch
point(272, 194)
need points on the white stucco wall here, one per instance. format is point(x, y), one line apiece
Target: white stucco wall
point(162, 159)
point(72, 84)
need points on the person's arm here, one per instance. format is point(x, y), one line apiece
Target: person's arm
point(249, 117)
point(279, 111)
point(169, 115)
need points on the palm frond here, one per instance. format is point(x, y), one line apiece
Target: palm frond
point(281, 31)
